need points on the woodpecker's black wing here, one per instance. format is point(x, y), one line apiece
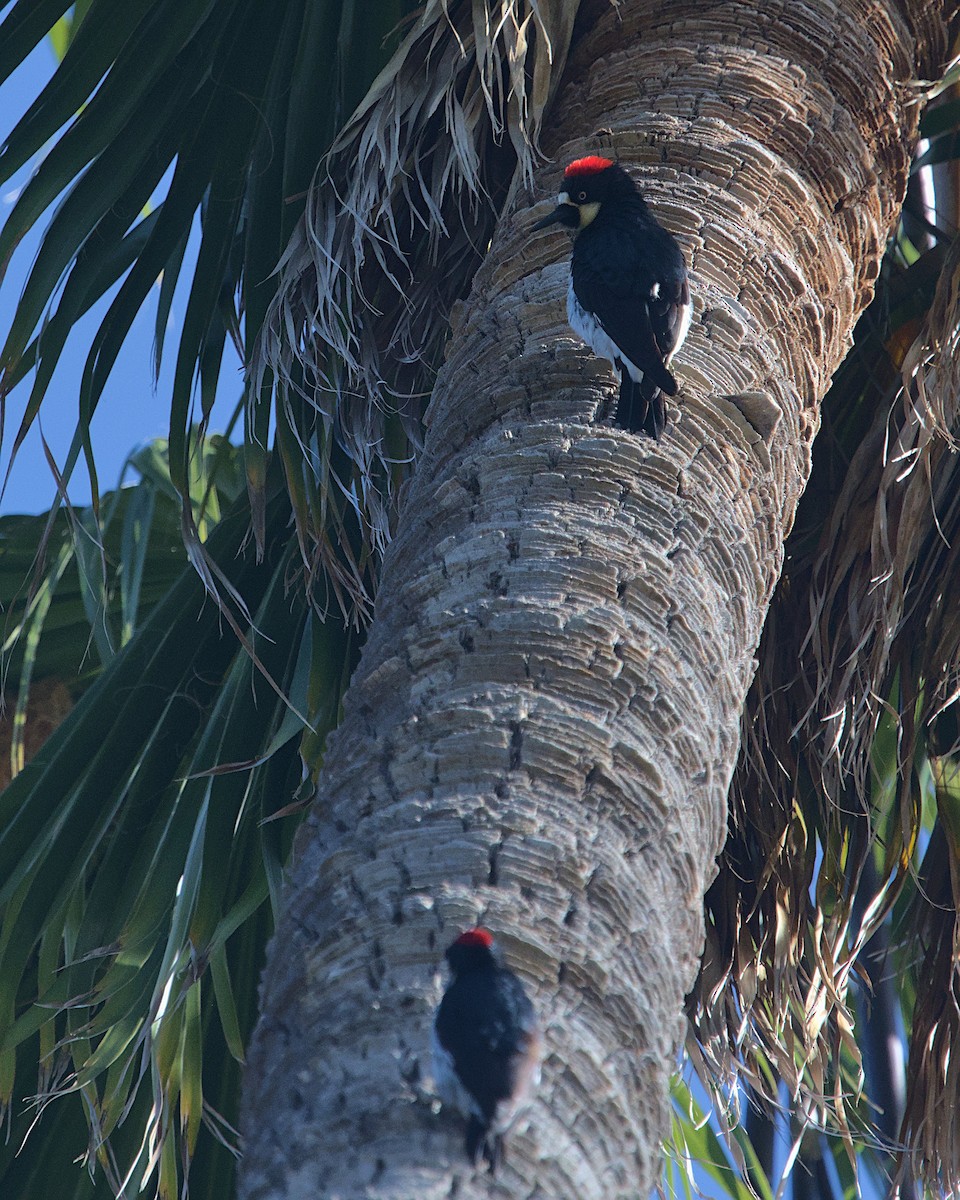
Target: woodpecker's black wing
point(641, 407)
point(632, 279)
point(487, 1025)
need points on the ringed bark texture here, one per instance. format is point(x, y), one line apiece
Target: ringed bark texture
point(542, 730)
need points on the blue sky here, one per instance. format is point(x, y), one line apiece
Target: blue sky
point(133, 409)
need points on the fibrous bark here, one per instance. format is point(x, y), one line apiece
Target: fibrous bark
point(542, 729)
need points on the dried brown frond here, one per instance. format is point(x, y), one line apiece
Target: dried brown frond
point(396, 222)
point(859, 673)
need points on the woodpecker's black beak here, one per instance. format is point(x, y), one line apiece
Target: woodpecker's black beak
point(563, 214)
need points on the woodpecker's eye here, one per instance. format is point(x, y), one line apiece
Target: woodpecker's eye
point(581, 195)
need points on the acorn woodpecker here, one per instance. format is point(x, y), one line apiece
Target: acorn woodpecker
point(486, 1044)
point(629, 298)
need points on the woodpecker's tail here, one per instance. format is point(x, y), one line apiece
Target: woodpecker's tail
point(481, 1142)
point(642, 408)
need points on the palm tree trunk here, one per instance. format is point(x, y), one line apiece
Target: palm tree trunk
point(543, 726)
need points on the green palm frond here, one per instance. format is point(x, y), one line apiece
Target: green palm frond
point(161, 114)
point(699, 1160)
point(141, 853)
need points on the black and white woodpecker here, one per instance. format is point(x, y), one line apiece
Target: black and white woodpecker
point(486, 1044)
point(629, 297)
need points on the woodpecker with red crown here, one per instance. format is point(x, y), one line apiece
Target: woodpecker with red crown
point(629, 297)
point(486, 1044)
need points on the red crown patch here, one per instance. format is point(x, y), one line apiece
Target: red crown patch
point(590, 165)
point(476, 937)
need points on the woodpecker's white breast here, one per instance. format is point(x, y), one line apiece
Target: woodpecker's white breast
point(585, 325)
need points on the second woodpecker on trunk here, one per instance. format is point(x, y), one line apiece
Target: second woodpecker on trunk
point(486, 1044)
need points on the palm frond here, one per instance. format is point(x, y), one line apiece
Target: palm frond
point(170, 141)
point(701, 1160)
point(141, 849)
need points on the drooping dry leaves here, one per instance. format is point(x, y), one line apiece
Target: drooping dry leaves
point(850, 731)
